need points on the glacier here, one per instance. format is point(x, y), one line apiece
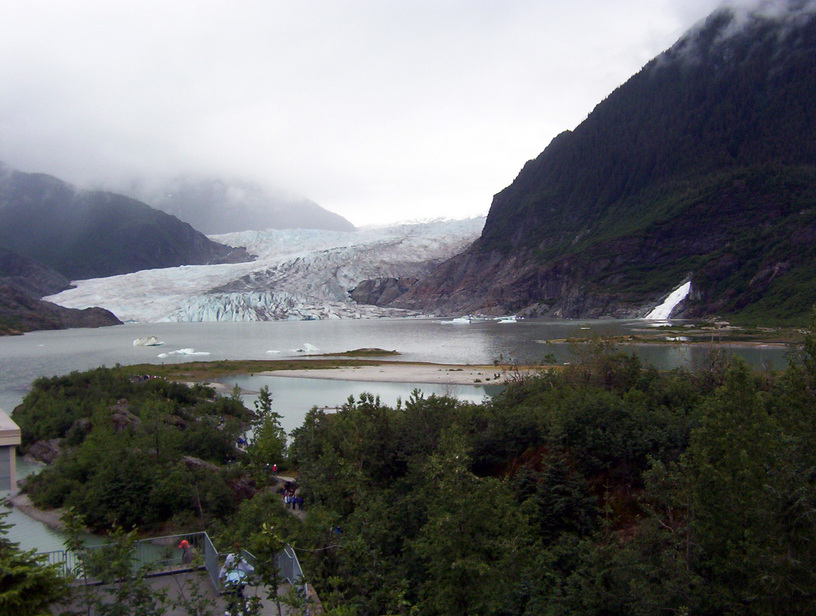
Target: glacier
point(299, 274)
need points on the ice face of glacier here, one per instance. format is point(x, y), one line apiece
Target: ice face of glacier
point(299, 274)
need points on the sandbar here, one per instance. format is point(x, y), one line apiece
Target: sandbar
point(51, 517)
point(405, 372)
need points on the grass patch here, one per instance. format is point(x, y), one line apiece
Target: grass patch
point(207, 370)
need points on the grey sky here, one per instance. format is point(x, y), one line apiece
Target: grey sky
point(378, 110)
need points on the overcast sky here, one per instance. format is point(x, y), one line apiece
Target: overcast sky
point(377, 110)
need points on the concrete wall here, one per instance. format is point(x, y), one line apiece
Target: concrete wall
point(9, 439)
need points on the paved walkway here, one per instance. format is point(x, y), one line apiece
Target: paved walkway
point(183, 586)
point(188, 585)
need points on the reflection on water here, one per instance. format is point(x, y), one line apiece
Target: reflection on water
point(292, 397)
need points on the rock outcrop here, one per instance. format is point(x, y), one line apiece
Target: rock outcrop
point(20, 313)
point(381, 291)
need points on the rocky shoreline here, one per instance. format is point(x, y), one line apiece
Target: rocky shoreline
point(51, 518)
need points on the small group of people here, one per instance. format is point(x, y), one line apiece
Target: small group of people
point(291, 498)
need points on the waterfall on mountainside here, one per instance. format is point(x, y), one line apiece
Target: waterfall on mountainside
point(664, 310)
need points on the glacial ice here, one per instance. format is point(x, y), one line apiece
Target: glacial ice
point(184, 352)
point(664, 310)
point(298, 275)
point(306, 348)
point(147, 341)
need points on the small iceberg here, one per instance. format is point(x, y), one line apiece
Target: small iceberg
point(664, 310)
point(147, 341)
point(306, 348)
point(185, 352)
point(461, 320)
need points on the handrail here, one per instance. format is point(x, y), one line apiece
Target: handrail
point(165, 556)
point(159, 554)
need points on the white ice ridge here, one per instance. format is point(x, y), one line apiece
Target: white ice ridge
point(664, 310)
point(299, 274)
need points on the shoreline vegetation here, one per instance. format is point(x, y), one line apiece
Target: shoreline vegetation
point(351, 368)
point(595, 483)
point(371, 365)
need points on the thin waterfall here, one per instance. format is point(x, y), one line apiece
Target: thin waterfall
point(664, 310)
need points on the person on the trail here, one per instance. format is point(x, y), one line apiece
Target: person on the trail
point(187, 552)
point(234, 575)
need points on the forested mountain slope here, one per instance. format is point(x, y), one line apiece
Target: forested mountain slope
point(701, 167)
point(88, 234)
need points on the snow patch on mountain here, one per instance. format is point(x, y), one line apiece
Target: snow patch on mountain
point(299, 274)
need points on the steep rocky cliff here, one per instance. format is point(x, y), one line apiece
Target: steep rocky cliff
point(701, 167)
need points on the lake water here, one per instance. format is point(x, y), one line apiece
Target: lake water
point(25, 358)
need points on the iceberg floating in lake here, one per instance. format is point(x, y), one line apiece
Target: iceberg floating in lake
point(147, 341)
point(664, 310)
point(306, 348)
point(187, 351)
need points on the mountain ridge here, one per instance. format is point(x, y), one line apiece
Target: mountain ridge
point(216, 206)
point(88, 233)
point(700, 167)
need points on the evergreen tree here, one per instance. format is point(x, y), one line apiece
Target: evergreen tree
point(27, 586)
point(268, 443)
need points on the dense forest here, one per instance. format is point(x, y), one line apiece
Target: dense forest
point(606, 487)
point(600, 487)
point(134, 451)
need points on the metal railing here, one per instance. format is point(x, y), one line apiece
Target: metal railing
point(289, 566)
point(154, 556)
point(211, 562)
point(159, 555)
point(165, 556)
